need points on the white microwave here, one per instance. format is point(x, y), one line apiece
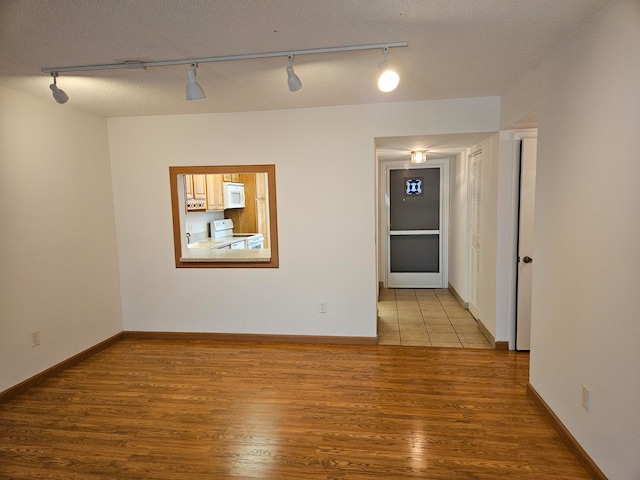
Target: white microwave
point(233, 195)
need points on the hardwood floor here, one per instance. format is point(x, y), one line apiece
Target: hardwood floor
point(144, 409)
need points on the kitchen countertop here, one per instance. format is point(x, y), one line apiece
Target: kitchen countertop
point(214, 243)
point(213, 250)
point(227, 255)
point(222, 241)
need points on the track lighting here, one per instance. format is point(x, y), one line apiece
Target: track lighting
point(419, 156)
point(292, 79)
point(389, 79)
point(58, 94)
point(194, 90)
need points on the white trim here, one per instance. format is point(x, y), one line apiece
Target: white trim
point(512, 293)
point(414, 232)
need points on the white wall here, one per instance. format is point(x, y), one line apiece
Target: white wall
point(585, 328)
point(458, 235)
point(325, 173)
point(57, 242)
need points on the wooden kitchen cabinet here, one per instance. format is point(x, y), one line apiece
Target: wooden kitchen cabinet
point(262, 209)
point(199, 187)
point(231, 177)
point(188, 185)
point(261, 186)
point(215, 193)
point(196, 187)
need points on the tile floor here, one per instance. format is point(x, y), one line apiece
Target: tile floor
point(426, 317)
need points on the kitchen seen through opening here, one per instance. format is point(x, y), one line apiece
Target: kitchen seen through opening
point(224, 216)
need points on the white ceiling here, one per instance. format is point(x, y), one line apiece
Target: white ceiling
point(457, 48)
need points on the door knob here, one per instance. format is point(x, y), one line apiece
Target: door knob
point(527, 259)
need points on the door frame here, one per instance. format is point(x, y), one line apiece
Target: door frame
point(519, 138)
point(507, 289)
point(443, 164)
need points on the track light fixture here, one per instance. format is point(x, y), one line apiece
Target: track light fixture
point(194, 90)
point(292, 79)
point(58, 94)
point(419, 156)
point(389, 79)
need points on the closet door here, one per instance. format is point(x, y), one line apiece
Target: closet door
point(474, 197)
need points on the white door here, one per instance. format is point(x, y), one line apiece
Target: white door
point(528, 152)
point(417, 213)
point(475, 182)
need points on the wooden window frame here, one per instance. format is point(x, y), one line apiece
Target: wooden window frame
point(178, 208)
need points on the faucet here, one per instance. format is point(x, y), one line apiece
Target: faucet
point(188, 238)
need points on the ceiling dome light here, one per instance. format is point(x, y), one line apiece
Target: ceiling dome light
point(419, 156)
point(58, 94)
point(292, 79)
point(194, 90)
point(389, 79)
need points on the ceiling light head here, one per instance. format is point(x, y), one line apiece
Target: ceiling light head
point(389, 79)
point(194, 90)
point(292, 79)
point(419, 156)
point(59, 95)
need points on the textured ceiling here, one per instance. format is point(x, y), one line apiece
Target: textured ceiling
point(457, 48)
point(400, 148)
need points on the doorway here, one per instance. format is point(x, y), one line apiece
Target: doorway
point(417, 217)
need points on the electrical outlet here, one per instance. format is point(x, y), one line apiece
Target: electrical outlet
point(322, 307)
point(35, 338)
point(586, 398)
point(189, 228)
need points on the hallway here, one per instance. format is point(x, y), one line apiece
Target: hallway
point(426, 317)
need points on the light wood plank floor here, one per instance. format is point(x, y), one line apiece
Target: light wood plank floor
point(145, 409)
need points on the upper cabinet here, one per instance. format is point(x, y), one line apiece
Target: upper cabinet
point(215, 193)
point(231, 177)
point(188, 186)
point(199, 187)
point(204, 192)
point(195, 191)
